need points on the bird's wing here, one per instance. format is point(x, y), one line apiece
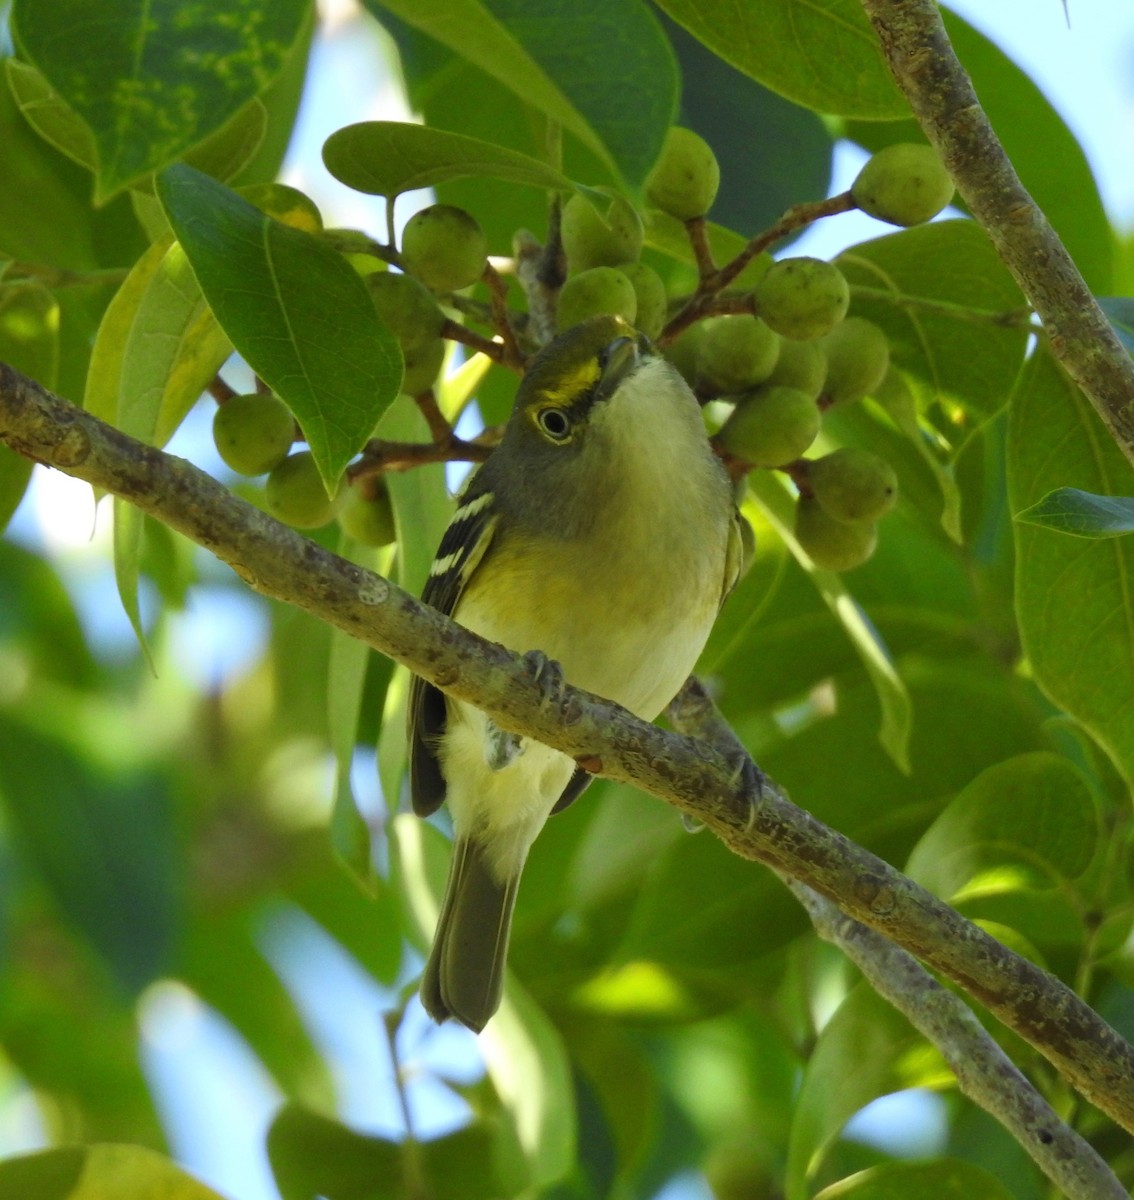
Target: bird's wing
point(462, 548)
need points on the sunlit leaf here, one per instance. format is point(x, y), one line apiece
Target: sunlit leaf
point(943, 1179)
point(965, 353)
point(93, 1172)
point(1025, 823)
point(823, 55)
point(866, 1050)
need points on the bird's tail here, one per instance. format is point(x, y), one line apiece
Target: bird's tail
point(464, 976)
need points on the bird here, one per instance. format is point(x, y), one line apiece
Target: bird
point(600, 537)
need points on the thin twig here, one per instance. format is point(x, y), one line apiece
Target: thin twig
point(512, 356)
point(456, 332)
point(379, 456)
point(220, 391)
point(439, 427)
point(703, 301)
point(697, 230)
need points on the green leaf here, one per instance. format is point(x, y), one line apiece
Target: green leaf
point(894, 733)
point(87, 1172)
point(173, 351)
point(102, 841)
point(866, 1050)
point(346, 682)
point(1120, 310)
point(294, 308)
point(1026, 823)
point(953, 264)
point(129, 523)
point(821, 55)
point(629, 88)
point(1083, 514)
point(772, 153)
point(1072, 594)
point(529, 1069)
point(29, 341)
point(1043, 150)
point(45, 213)
point(158, 347)
point(621, 103)
point(50, 115)
point(386, 158)
point(311, 1154)
point(1046, 154)
point(151, 78)
point(943, 1179)
point(104, 375)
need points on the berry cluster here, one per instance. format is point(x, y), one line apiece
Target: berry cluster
point(773, 345)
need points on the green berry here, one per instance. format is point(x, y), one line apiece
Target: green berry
point(771, 427)
point(800, 365)
point(601, 290)
point(685, 350)
point(686, 176)
point(802, 298)
point(649, 292)
point(253, 433)
point(853, 484)
point(735, 354)
point(905, 184)
point(368, 518)
point(444, 247)
point(406, 306)
point(606, 237)
point(832, 545)
point(423, 362)
point(858, 355)
point(294, 493)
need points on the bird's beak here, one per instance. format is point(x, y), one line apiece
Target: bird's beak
point(619, 360)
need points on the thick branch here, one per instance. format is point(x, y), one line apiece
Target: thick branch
point(699, 780)
point(984, 1072)
point(923, 63)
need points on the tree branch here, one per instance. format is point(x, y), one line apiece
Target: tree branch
point(939, 90)
point(753, 821)
point(984, 1072)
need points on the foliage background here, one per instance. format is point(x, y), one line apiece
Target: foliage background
point(166, 864)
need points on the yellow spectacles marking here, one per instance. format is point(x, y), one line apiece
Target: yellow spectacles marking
point(574, 383)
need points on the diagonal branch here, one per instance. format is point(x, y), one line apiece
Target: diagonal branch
point(984, 1072)
point(925, 67)
point(754, 822)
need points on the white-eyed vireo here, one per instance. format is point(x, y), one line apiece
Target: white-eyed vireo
point(601, 532)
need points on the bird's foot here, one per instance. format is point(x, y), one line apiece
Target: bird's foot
point(548, 674)
point(501, 748)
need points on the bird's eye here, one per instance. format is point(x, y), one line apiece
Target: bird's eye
point(555, 423)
